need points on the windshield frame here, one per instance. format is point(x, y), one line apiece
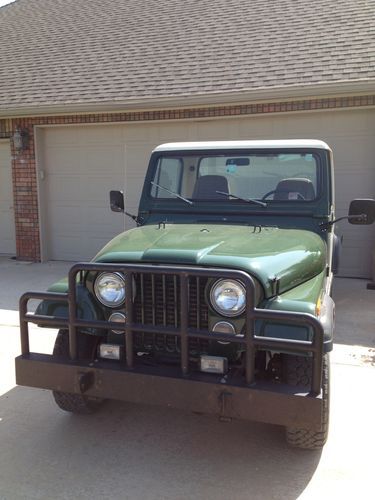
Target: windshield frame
point(320, 157)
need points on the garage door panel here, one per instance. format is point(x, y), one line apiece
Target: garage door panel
point(358, 184)
point(76, 244)
point(351, 266)
point(107, 135)
point(75, 248)
point(94, 190)
point(370, 120)
point(137, 158)
point(104, 234)
point(84, 219)
point(357, 255)
point(104, 158)
point(299, 127)
point(75, 213)
point(133, 191)
point(78, 135)
point(78, 158)
point(63, 160)
point(257, 128)
point(353, 150)
point(139, 133)
point(214, 130)
point(59, 136)
point(338, 123)
point(170, 132)
point(356, 234)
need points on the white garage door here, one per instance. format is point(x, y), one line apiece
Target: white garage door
point(7, 228)
point(353, 144)
point(81, 164)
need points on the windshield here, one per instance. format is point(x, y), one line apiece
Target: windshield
point(247, 176)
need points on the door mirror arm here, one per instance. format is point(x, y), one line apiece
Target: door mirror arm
point(116, 200)
point(357, 219)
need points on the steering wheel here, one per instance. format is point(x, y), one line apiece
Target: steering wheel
point(268, 194)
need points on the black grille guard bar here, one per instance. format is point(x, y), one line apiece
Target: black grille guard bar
point(250, 340)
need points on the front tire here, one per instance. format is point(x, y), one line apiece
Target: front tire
point(76, 403)
point(298, 372)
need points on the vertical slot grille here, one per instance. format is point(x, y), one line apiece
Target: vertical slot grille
point(157, 303)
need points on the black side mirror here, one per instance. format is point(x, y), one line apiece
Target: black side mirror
point(362, 212)
point(116, 199)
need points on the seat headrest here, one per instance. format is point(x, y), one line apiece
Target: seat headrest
point(295, 189)
point(206, 186)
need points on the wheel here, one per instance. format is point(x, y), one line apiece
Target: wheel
point(298, 372)
point(76, 403)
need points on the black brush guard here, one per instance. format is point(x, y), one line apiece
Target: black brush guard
point(247, 399)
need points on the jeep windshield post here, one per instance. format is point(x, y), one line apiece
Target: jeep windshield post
point(225, 309)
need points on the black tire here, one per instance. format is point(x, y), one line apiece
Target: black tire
point(76, 403)
point(298, 372)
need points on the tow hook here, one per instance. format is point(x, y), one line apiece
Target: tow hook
point(85, 381)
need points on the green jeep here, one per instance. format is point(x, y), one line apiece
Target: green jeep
point(219, 301)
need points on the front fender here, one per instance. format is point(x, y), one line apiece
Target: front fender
point(87, 308)
point(301, 299)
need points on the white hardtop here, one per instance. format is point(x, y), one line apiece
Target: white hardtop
point(269, 144)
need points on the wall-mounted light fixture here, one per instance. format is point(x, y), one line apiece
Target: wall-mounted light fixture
point(20, 140)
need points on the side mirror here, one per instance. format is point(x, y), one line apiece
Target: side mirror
point(362, 212)
point(116, 199)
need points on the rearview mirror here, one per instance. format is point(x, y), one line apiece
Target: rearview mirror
point(116, 199)
point(238, 162)
point(362, 212)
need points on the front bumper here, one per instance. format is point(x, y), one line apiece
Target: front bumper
point(270, 403)
point(243, 399)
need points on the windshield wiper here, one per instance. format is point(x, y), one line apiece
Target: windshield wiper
point(248, 200)
point(172, 192)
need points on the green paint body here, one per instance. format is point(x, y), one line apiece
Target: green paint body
point(292, 256)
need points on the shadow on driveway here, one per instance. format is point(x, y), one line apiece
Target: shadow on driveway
point(141, 452)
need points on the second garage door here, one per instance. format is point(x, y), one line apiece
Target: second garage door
point(7, 226)
point(79, 165)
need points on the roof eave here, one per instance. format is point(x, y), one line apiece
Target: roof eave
point(270, 94)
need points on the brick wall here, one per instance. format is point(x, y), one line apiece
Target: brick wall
point(24, 165)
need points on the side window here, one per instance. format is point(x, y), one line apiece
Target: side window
point(168, 174)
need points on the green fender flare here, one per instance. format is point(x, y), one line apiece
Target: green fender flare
point(87, 308)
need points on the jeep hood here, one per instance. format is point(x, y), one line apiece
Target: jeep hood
point(291, 256)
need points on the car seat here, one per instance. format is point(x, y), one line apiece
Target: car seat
point(295, 189)
point(206, 186)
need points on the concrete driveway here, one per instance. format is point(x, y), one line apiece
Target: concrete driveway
point(137, 452)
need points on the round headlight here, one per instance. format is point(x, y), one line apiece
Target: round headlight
point(110, 289)
point(228, 298)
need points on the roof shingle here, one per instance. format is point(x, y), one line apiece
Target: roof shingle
point(78, 52)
